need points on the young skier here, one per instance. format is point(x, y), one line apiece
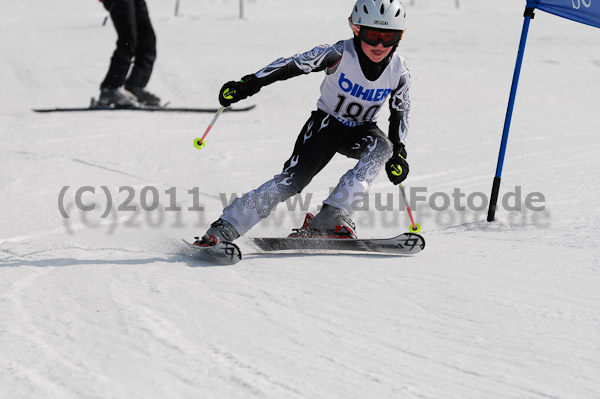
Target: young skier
point(361, 73)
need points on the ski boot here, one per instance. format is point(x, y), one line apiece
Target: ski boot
point(219, 231)
point(144, 97)
point(117, 98)
point(330, 222)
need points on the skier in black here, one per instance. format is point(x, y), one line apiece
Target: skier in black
point(136, 41)
point(361, 73)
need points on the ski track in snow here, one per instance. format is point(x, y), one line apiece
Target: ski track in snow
point(111, 308)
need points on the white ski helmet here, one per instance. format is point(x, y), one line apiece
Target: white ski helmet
point(380, 14)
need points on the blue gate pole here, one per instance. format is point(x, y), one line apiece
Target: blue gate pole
point(529, 15)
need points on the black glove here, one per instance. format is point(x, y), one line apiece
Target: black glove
point(397, 167)
point(232, 92)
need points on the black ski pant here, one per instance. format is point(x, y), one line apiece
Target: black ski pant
point(323, 136)
point(136, 41)
point(320, 139)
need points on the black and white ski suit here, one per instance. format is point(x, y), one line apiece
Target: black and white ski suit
point(352, 94)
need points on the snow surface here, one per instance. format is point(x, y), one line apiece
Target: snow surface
point(109, 308)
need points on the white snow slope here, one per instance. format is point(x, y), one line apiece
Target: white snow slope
point(94, 307)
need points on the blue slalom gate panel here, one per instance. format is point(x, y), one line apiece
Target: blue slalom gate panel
point(584, 11)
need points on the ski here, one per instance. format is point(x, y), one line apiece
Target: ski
point(404, 244)
point(143, 108)
point(223, 253)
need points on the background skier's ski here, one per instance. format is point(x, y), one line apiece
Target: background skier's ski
point(143, 108)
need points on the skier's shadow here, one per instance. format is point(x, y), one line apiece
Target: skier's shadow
point(65, 262)
point(179, 258)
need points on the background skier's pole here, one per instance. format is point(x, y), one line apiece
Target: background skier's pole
point(414, 227)
point(199, 143)
point(177, 8)
point(529, 14)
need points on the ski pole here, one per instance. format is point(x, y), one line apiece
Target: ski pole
point(199, 142)
point(414, 227)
